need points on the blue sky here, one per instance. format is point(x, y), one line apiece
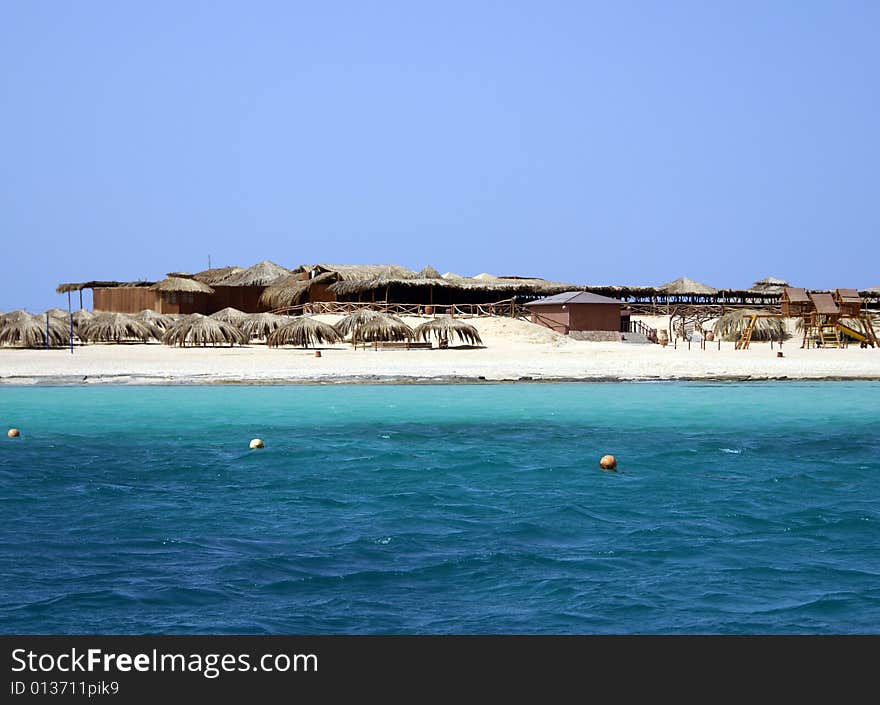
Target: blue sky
point(624, 142)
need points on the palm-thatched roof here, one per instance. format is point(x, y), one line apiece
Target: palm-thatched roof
point(261, 325)
point(17, 315)
point(451, 275)
point(216, 274)
point(229, 315)
point(196, 329)
point(346, 272)
point(731, 325)
point(353, 320)
point(116, 327)
point(30, 331)
point(428, 272)
point(80, 316)
point(181, 285)
point(381, 328)
point(289, 290)
point(303, 331)
point(260, 274)
point(684, 286)
point(163, 321)
point(769, 285)
point(443, 327)
point(98, 284)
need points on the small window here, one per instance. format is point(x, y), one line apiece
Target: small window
point(171, 297)
point(187, 298)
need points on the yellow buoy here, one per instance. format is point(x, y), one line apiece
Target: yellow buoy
point(608, 462)
point(13, 433)
point(257, 443)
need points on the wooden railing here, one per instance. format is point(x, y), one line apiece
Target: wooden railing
point(508, 308)
point(639, 327)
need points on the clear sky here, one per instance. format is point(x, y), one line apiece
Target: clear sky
point(608, 142)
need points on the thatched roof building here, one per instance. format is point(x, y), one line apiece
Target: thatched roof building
point(262, 273)
point(197, 329)
point(303, 331)
point(181, 285)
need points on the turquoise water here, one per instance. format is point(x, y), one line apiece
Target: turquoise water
point(739, 508)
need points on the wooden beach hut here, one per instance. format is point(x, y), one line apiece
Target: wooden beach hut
point(577, 312)
point(795, 302)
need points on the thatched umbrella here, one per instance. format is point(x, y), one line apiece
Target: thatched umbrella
point(80, 317)
point(229, 315)
point(261, 325)
point(58, 313)
point(731, 325)
point(381, 328)
point(116, 327)
point(30, 331)
point(442, 327)
point(303, 331)
point(355, 320)
point(162, 321)
point(181, 285)
point(769, 285)
point(197, 329)
point(16, 315)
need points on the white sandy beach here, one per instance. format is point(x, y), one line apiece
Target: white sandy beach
point(513, 350)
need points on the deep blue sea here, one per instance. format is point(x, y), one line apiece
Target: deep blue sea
point(467, 509)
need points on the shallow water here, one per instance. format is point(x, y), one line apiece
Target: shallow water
point(739, 508)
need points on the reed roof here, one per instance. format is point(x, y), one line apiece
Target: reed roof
point(303, 331)
point(428, 272)
point(260, 274)
point(360, 271)
point(353, 320)
point(98, 284)
point(196, 329)
point(382, 328)
point(289, 290)
point(445, 327)
point(229, 315)
point(181, 285)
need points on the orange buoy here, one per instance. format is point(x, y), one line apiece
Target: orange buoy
point(256, 443)
point(13, 433)
point(608, 462)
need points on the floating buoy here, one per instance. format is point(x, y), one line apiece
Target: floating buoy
point(13, 433)
point(256, 443)
point(608, 462)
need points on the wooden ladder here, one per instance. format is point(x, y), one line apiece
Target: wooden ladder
point(868, 327)
point(743, 342)
point(829, 336)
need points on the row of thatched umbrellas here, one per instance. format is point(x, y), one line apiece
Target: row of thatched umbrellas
point(227, 327)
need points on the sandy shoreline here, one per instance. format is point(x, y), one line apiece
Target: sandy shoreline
point(515, 351)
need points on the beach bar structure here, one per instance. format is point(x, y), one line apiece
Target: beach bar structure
point(577, 312)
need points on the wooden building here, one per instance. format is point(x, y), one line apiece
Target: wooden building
point(795, 302)
point(575, 311)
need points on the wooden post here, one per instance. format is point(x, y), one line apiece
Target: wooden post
point(70, 315)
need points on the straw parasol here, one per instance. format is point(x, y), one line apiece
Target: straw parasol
point(116, 327)
point(303, 331)
point(30, 331)
point(354, 320)
point(442, 327)
point(261, 274)
point(58, 313)
point(182, 286)
point(731, 325)
point(684, 286)
point(16, 315)
point(80, 317)
point(197, 329)
point(381, 328)
point(161, 320)
point(229, 315)
point(261, 325)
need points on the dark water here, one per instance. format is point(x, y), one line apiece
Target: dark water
point(448, 509)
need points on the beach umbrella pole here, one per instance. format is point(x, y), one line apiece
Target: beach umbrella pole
point(47, 331)
point(70, 316)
